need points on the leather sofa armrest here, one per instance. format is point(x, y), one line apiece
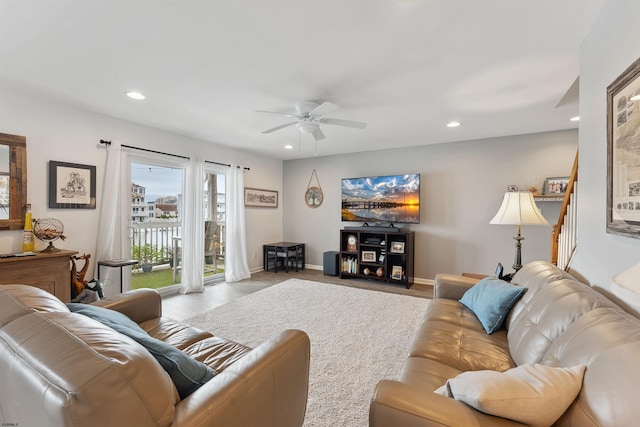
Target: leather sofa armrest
point(139, 304)
point(266, 388)
point(396, 403)
point(452, 286)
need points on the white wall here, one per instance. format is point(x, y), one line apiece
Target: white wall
point(56, 131)
point(462, 185)
point(611, 46)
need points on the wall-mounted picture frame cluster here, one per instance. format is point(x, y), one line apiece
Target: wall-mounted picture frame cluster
point(623, 153)
point(72, 186)
point(259, 198)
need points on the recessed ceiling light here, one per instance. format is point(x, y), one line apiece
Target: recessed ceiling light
point(453, 124)
point(288, 147)
point(574, 119)
point(135, 95)
point(635, 98)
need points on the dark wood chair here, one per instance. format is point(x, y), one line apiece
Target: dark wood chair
point(294, 258)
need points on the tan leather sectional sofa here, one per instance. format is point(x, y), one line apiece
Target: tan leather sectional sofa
point(558, 322)
point(59, 368)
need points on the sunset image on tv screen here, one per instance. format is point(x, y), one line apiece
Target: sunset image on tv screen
point(386, 199)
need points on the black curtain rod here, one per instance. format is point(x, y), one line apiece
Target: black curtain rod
point(226, 164)
point(102, 141)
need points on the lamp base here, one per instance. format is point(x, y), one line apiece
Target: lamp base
point(517, 263)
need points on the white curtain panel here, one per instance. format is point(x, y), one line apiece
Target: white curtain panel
point(193, 236)
point(109, 244)
point(237, 265)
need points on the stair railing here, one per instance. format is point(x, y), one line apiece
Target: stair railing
point(564, 235)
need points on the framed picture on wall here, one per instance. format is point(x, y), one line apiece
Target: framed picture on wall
point(259, 198)
point(72, 186)
point(623, 153)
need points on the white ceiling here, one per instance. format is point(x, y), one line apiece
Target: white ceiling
point(500, 67)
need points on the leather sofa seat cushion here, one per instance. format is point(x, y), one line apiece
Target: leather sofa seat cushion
point(426, 374)
point(607, 340)
point(216, 352)
point(452, 335)
point(173, 332)
point(79, 361)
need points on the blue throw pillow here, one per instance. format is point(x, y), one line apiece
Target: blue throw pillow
point(186, 373)
point(491, 300)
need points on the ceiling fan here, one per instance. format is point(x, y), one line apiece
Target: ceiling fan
point(309, 116)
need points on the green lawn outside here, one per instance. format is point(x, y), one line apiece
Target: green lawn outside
point(160, 278)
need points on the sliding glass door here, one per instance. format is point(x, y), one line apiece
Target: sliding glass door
point(214, 223)
point(156, 221)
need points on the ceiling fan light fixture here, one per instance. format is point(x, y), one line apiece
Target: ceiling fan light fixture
point(307, 127)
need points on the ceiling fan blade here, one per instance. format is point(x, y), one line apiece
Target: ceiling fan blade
point(279, 127)
point(293, 116)
point(317, 134)
point(324, 108)
point(347, 123)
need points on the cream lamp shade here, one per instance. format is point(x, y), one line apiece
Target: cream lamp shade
point(518, 207)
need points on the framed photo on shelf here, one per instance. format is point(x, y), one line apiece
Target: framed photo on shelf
point(397, 247)
point(72, 186)
point(256, 197)
point(368, 256)
point(623, 153)
point(555, 186)
point(396, 272)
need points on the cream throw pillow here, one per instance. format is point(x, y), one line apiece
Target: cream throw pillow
point(531, 393)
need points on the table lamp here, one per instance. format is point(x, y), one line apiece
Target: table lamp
point(518, 207)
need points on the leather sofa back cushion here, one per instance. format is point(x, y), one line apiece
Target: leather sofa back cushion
point(607, 340)
point(18, 300)
point(70, 363)
point(548, 310)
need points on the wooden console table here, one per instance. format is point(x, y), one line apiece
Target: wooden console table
point(49, 271)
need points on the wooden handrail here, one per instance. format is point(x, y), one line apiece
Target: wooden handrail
point(557, 228)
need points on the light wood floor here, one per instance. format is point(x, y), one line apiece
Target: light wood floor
point(182, 307)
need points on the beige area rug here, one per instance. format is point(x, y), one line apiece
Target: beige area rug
point(358, 337)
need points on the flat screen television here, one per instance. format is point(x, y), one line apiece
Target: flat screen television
point(382, 199)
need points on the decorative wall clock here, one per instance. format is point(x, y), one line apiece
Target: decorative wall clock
point(314, 196)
